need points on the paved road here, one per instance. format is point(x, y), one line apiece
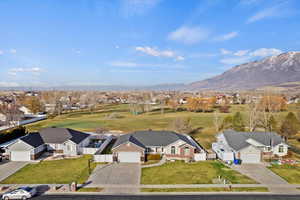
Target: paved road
point(8, 168)
point(171, 197)
point(117, 174)
point(263, 175)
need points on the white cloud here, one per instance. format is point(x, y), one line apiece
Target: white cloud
point(263, 52)
point(225, 52)
point(241, 53)
point(189, 35)
point(227, 36)
point(280, 9)
point(123, 64)
point(243, 56)
point(13, 51)
point(8, 84)
point(117, 46)
point(234, 60)
point(15, 71)
point(159, 53)
point(1, 52)
point(137, 7)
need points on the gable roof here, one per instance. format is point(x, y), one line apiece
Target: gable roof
point(237, 140)
point(152, 138)
point(61, 135)
point(33, 139)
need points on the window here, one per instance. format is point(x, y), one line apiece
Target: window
point(162, 149)
point(156, 149)
point(281, 149)
point(186, 151)
point(172, 150)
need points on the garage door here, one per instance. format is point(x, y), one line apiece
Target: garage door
point(250, 157)
point(20, 156)
point(129, 157)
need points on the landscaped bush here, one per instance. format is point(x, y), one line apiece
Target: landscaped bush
point(153, 157)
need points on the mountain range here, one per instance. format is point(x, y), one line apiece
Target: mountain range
point(271, 71)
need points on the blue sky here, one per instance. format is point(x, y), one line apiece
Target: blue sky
point(138, 42)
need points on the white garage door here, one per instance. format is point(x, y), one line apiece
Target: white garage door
point(20, 156)
point(250, 157)
point(129, 157)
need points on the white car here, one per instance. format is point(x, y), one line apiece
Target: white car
point(20, 193)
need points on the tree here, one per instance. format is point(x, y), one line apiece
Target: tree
point(33, 104)
point(290, 125)
point(227, 122)
point(237, 122)
point(181, 125)
point(272, 124)
point(101, 130)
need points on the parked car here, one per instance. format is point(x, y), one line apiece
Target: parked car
point(20, 193)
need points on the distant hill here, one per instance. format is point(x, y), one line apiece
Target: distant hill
point(271, 71)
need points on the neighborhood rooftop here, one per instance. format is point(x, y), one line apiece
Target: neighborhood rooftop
point(152, 138)
point(237, 140)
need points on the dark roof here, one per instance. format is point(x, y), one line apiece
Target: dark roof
point(61, 135)
point(152, 138)
point(237, 140)
point(33, 139)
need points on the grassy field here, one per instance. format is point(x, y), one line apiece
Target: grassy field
point(212, 189)
point(290, 173)
point(48, 172)
point(127, 122)
point(191, 173)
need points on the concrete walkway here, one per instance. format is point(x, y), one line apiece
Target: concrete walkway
point(161, 162)
point(263, 175)
point(8, 168)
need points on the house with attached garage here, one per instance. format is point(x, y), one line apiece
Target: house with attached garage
point(249, 147)
point(63, 141)
point(135, 147)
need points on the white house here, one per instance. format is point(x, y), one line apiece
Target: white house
point(249, 147)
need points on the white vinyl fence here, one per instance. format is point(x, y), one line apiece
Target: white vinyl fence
point(91, 151)
point(200, 156)
point(103, 158)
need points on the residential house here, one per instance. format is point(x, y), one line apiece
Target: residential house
point(249, 147)
point(56, 140)
point(136, 146)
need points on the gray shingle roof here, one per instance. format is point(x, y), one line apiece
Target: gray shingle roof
point(33, 139)
point(152, 138)
point(237, 140)
point(61, 135)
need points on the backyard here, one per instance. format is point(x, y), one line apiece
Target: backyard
point(192, 173)
point(127, 122)
point(49, 172)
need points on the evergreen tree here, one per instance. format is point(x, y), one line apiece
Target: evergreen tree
point(290, 125)
point(227, 122)
point(237, 122)
point(272, 124)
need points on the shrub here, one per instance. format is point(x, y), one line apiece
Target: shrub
point(153, 157)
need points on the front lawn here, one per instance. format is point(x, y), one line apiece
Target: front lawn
point(288, 172)
point(212, 189)
point(192, 173)
point(51, 172)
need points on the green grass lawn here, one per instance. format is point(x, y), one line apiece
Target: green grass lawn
point(191, 173)
point(127, 122)
point(212, 189)
point(290, 173)
point(49, 172)
point(89, 189)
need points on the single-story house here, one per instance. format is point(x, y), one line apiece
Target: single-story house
point(249, 147)
point(136, 146)
point(57, 140)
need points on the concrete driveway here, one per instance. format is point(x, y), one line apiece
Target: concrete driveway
point(115, 177)
point(8, 168)
point(263, 175)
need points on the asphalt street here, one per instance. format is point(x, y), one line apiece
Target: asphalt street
point(171, 197)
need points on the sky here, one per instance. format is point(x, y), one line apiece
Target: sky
point(138, 42)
